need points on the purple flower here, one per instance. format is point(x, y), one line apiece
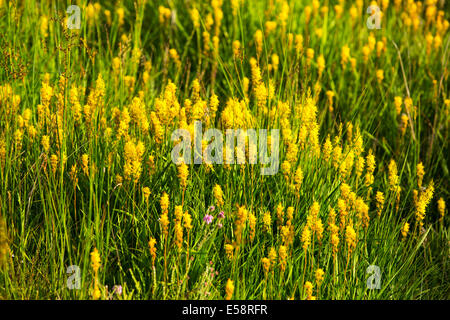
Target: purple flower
point(118, 289)
point(221, 215)
point(208, 218)
point(211, 208)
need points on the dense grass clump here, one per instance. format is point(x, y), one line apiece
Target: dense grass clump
point(357, 207)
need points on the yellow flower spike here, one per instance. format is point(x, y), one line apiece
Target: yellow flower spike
point(405, 230)
point(393, 175)
point(272, 256)
point(45, 143)
point(320, 64)
point(54, 162)
point(258, 37)
point(280, 214)
point(229, 250)
point(319, 275)
point(309, 291)
point(345, 55)
point(146, 193)
point(350, 238)
point(195, 16)
point(306, 238)
point(422, 202)
point(282, 254)
point(267, 222)
point(164, 202)
point(266, 265)
point(183, 173)
point(398, 101)
point(178, 235)
point(380, 75)
point(441, 208)
point(335, 243)
point(218, 195)
point(187, 221)
point(252, 226)
point(85, 164)
point(229, 289)
point(380, 202)
point(95, 260)
point(152, 248)
point(420, 173)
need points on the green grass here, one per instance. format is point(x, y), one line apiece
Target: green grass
point(52, 221)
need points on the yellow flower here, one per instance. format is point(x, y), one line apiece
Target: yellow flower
point(195, 16)
point(320, 64)
point(95, 260)
point(146, 192)
point(286, 169)
point(229, 249)
point(45, 143)
point(269, 27)
point(405, 230)
point(441, 208)
point(187, 221)
point(335, 242)
point(229, 289)
point(236, 48)
point(306, 238)
point(345, 55)
point(272, 256)
point(380, 75)
point(164, 220)
point(275, 61)
point(164, 202)
point(85, 163)
point(380, 202)
point(319, 276)
point(96, 294)
point(422, 202)
point(266, 264)
point(267, 221)
point(164, 14)
point(398, 101)
point(258, 40)
point(152, 247)
point(309, 54)
point(54, 162)
point(309, 290)
point(174, 56)
point(282, 253)
point(404, 123)
point(350, 238)
point(218, 195)
point(393, 176)
point(252, 225)
point(183, 173)
point(420, 174)
point(178, 234)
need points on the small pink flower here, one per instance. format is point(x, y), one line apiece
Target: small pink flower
point(211, 208)
point(117, 289)
point(208, 218)
point(221, 215)
point(219, 225)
